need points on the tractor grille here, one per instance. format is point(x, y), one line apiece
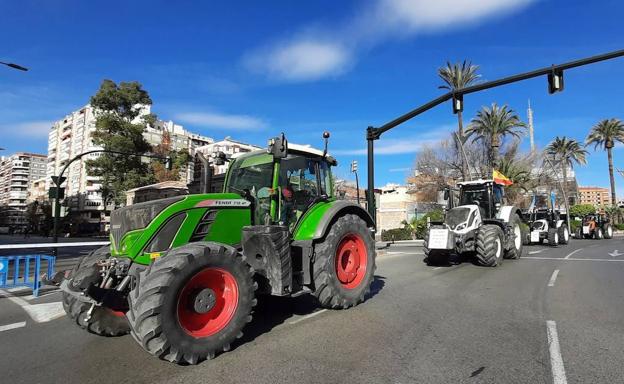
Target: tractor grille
point(137, 216)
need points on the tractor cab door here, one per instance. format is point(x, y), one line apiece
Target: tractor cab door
point(302, 181)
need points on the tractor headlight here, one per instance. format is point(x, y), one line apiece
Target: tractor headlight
point(460, 227)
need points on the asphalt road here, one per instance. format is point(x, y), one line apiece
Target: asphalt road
point(556, 315)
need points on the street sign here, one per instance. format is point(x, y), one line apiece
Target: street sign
point(52, 193)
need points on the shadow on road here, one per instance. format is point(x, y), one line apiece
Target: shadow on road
point(452, 260)
point(272, 311)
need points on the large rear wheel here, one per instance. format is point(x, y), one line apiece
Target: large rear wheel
point(553, 237)
point(489, 245)
point(97, 319)
point(192, 303)
point(344, 263)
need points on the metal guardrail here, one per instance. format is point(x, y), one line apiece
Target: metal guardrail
point(23, 264)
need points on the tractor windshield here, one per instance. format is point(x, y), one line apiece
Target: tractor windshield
point(253, 177)
point(477, 196)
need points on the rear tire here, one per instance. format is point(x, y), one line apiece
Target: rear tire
point(564, 234)
point(103, 321)
point(608, 231)
point(579, 233)
point(345, 264)
point(192, 303)
point(553, 237)
point(517, 244)
point(489, 245)
point(598, 234)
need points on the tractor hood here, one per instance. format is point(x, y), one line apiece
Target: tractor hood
point(155, 226)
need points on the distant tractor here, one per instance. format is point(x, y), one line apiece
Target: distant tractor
point(547, 225)
point(595, 226)
point(480, 225)
point(182, 274)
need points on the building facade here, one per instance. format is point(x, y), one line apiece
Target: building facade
point(596, 196)
point(17, 172)
point(229, 147)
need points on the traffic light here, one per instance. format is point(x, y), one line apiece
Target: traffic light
point(458, 103)
point(555, 81)
point(354, 166)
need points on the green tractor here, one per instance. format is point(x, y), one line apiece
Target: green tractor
point(182, 274)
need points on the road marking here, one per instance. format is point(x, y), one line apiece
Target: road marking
point(436, 268)
point(534, 252)
point(556, 361)
point(40, 313)
point(8, 327)
point(551, 282)
point(562, 259)
point(572, 253)
point(616, 253)
point(396, 253)
point(307, 316)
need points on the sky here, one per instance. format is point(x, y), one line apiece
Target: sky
point(251, 69)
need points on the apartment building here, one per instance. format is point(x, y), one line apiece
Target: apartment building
point(17, 172)
point(229, 147)
point(597, 196)
point(71, 136)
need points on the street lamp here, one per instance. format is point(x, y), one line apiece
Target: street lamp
point(354, 169)
point(58, 180)
point(15, 66)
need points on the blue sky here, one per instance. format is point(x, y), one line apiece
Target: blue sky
point(251, 69)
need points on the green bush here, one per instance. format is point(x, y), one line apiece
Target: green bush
point(580, 210)
point(619, 227)
point(420, 226)
point(396, 234)
point(574, 225)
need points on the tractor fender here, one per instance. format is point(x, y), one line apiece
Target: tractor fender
point(559, 223)
point(506, 211)
point(315, 224)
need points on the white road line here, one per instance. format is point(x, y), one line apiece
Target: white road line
point(396, 253)
point(534, 252)
point(436, 268)
point(307, 316)
point(8, 327)
point(556, 361)
point(40, 313)
point(562, 259)
point(551, 282)
point(572, 253)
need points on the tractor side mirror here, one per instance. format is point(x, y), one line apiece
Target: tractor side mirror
point(278, 147)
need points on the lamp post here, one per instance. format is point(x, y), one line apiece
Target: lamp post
point(58, 180)
point(354, 169)
point(15, 66)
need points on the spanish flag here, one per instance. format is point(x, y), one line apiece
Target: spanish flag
point(499, 178)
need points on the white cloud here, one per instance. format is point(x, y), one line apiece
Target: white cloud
point(34, 129)
point(222, 121)
point(329, 51)
point(297, 60)
point(405, 169)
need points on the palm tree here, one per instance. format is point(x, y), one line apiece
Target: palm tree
point(491, 126)
point(565, 152)
point(605, 134)
point(457, 76)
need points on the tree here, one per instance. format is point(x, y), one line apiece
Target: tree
point(565, 152)
point(179, 161)
point(457, 76)
point(491, 126)
point(581, 210)
point(605, 134)
point(120, 123)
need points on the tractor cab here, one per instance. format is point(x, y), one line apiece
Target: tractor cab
point(485, 194)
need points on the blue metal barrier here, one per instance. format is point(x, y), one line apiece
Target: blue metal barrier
point(23, 264)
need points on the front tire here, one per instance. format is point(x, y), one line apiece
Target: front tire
point(564, 234)
point(192, 303)
point(103, 321)
point(598, 234)
point(516, 244)
point(608, 231)
point(489, 245)
point(553, 237)
point(345, 264)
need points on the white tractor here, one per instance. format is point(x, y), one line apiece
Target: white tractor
point(547, 225)
point(480, 224)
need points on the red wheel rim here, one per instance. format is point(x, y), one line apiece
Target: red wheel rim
point(351, 261)
point(218, 317)
point(116, 313)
